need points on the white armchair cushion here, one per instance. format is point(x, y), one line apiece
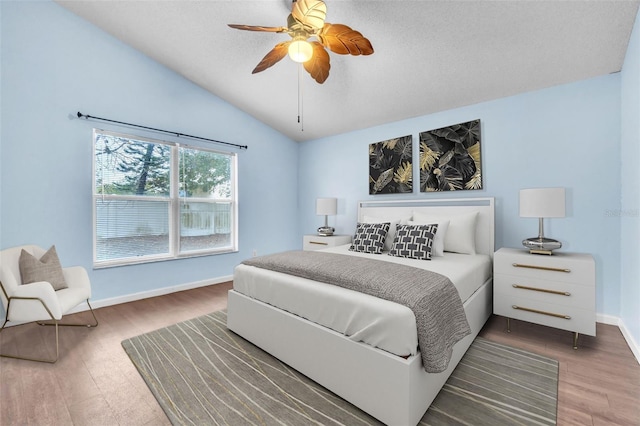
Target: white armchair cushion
point(32, 310)
point(47, 268)
point(77, 277)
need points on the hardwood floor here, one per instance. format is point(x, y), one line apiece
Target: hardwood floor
point(95, 383)
point(599, 383)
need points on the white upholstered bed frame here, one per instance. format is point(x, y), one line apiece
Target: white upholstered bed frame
point(394, 390)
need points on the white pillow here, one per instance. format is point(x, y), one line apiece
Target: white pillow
point(388, 242)
point(461, 235)
point(438, 240)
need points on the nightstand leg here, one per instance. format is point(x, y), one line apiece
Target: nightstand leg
point(508, 325)
point(575, 340)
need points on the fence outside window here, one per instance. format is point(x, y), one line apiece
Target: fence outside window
point(155, 200)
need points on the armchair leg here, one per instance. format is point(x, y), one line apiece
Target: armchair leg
point(50, 361)
point(95, 321)
point(56, 324)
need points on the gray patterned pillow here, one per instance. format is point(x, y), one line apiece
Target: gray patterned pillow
point(413, 241)
point(370, 237)
point(47, 268)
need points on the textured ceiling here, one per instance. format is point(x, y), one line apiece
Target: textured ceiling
point(429, 56)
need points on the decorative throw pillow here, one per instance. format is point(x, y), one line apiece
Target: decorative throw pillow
point(47, 268)
point(438, 240)
point(369, 237)
point(413, 241)
point(393, 221)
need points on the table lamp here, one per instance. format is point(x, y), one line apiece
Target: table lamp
point(541, 203)
point(326, 207)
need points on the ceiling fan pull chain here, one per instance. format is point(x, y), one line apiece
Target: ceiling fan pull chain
point(298, 94)
point(300, 99)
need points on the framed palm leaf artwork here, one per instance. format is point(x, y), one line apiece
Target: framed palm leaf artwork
point(450, 158)
point(391, 166)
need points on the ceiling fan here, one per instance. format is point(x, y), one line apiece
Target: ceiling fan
point(307, 19)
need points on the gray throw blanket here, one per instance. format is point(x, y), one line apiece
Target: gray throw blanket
point(435, 302)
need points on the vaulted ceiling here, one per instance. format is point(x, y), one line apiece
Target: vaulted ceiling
point(429, 55)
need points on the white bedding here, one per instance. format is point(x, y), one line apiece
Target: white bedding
point(377, 322)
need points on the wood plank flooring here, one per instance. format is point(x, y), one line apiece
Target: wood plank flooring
point(599, 383)
point(94, 382)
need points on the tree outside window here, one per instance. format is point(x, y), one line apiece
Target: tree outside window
point(155, 200)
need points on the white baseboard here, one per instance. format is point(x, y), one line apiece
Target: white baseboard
point(607, 319)
point(611, 320)
point(633, 345)
point(101, 303)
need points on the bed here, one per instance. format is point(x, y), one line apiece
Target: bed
point(383, 376)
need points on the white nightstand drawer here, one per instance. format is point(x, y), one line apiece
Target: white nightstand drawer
point(318, 242)
point(537, 289)
point(579, 269)
point(553, 315)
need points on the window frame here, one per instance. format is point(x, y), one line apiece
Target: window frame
point(173, 199)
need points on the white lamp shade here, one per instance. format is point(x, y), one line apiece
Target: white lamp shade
point(326, 206)
point(542, 202)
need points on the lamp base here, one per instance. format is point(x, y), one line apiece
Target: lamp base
point(541, 245)
point(326, 231)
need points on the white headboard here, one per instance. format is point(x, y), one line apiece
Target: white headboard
point(485, 225)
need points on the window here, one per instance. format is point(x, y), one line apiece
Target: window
point(156, 200)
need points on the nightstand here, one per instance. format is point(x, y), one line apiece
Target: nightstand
point(317, 242)
point(556, 291)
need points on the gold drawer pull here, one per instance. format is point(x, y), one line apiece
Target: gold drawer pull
point(320, 244)
point(544, 290)
point(544, 268)
point(551, 314)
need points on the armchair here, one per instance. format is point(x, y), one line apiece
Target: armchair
point(38, 301)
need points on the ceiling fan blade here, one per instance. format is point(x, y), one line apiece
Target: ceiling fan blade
point(318, 66)
point(341, 39)
point(271, 58)
point(310, 13)
point(258, 28)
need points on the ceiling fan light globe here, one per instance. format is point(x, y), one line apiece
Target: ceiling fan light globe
point(300, 51)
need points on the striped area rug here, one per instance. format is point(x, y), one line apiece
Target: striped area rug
point(203, 374)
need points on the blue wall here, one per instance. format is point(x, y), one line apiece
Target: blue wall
point(565, 136)
point(54, 64)
point(630, 217)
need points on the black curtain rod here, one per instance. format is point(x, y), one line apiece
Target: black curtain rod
point(86, 116)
